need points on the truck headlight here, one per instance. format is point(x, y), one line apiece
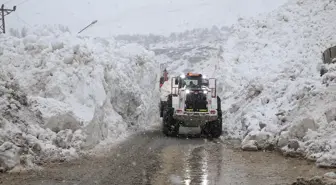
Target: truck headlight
point(187, 91)
point(205, 92)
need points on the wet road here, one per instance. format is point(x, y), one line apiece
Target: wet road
point(153, 159)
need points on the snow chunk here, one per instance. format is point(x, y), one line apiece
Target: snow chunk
point(250, 145)
point(258, 140)
point(300, 129)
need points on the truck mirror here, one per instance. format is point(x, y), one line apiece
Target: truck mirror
point(212, 86)
point(212, 83)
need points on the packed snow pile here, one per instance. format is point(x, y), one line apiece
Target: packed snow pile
point(61, 94)
point(280, 99)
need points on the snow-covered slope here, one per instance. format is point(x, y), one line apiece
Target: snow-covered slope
point(134, 17)
point(60, 94)
point(268, 71)
point(281, 96)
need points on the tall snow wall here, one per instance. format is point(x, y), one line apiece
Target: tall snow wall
point(62, 94)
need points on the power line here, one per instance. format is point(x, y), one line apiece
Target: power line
point(8, 1)
point(21, 20)
point(22, 2)
point(5, 12)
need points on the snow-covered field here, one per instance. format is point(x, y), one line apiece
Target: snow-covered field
point(268, 71)
point(60, 94)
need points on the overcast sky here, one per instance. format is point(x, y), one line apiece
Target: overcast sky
point(134, 16)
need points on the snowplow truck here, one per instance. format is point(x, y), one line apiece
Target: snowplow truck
point(191, 101)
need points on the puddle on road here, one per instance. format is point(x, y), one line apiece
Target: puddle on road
point(215, 163)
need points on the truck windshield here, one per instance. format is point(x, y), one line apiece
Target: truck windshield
point(192, 82)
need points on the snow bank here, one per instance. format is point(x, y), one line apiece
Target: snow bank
point(279, 98)
point(61, 94)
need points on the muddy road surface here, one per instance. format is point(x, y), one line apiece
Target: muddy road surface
point(150, 158)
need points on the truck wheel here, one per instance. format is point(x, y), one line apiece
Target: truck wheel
point(162, 107)
point(170, 127)
point(216, 126)
point(213, 129)
point(216, 129)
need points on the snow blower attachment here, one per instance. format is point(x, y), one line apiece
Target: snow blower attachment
point(191, 101)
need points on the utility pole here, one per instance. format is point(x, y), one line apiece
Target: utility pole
point(4, 12)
